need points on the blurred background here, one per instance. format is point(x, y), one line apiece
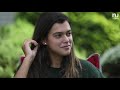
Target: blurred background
point(93, 32)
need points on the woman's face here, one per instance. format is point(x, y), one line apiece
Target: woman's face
point(59, 39)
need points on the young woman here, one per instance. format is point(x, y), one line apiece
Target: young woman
point(50, 53)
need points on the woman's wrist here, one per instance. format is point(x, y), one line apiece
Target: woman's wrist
point(28, 59)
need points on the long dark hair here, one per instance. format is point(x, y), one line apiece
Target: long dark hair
point(39, 67)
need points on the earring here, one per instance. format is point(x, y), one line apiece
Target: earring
point(45, 43)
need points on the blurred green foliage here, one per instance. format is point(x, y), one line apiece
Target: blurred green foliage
point(11, 39)
point(93, 32)
point(31, 17)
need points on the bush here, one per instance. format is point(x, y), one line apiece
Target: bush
point(94, 32)
point(11, 40)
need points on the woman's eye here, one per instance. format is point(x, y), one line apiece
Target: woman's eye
point(58, 35)
point(68, 34)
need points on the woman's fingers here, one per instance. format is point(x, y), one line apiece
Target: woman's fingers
point(26, 46)
point(35, 49)
point(34, 42)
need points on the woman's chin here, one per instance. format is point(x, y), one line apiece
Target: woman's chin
point(66, 53)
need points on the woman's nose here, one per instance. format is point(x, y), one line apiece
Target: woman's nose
point(66, 39)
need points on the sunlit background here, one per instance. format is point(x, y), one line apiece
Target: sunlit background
point(93, 32)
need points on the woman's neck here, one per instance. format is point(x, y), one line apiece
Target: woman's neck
point(55, 60)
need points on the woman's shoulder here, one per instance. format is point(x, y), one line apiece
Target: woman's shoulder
point(89, 70)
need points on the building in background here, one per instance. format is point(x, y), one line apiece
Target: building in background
point(7, 18)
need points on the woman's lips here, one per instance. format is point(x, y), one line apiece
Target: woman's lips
point(66, 47)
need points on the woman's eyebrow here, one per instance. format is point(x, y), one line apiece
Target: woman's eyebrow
point(61, 32)
point(57, 33)
point(69, 31)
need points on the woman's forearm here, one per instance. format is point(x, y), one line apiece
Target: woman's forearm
point(24, 68)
